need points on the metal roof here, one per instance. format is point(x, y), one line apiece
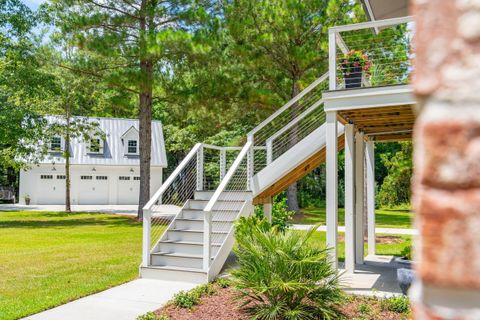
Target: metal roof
point(114, 150)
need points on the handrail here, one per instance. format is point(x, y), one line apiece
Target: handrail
point(172, 177)
point(228, 176)
point(288, 104)
point(372, 24)
point(295, 121)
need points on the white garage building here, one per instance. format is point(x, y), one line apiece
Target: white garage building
point(103, 171)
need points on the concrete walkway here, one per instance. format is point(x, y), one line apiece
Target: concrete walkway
point(125, 302)
point(377, 230)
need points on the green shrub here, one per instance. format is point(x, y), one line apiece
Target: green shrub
point(407, 252)
point(148, 316)
point(223, 282)
point(163, 317)
point(398, 304)
point(185, 299)
point(280, 213)
point(282, 276)
point(204, 289)
point(364, 308)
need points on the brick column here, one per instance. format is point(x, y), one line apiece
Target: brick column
point(446, 183)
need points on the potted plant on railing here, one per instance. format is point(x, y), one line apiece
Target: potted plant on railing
point(405, 274)
point(354, 65)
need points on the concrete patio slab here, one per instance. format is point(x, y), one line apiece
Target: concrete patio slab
point(378, 276)
point(124, 302)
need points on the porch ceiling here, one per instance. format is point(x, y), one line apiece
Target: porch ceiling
point(391, 123)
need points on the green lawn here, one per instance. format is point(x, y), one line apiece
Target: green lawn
point(391, 249)
point(384, 218)
point(49, 258)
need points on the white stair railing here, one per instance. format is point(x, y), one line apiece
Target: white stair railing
point(165, 203)
point(230, 189)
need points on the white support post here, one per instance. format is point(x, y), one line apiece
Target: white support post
point(267, 209)
point(223, 163)
point(359, 190)
point(332, 186)
point(200, 169)
point(370, 154)
point(269, 151)
point(147, 225)
point(207, 239)
point(349, 198)
point(250, 166)
point(332, 59)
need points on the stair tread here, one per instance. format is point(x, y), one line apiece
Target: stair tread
point(180, 255)
point(201, 219)
point(193, 230)
point(173, 268)
point(201, 210)
point(188, 242)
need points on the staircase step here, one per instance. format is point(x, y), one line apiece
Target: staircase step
point(197, 224)
point(174, 259)
point(221, 204)
point(192, 243)
point(226, 195)
point(195, 214)
point(170, 273)
point(193, 235)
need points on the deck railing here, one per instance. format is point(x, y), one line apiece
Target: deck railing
point(386, 47)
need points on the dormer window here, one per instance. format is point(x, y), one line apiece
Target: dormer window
point(130, 141)
point(55, 144)
point(95, 146)
point(132, 147)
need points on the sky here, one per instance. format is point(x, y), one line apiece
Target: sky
point(33, 4)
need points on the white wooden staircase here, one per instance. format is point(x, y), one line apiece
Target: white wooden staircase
point(188, 229)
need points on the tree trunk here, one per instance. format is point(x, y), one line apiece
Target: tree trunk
point(145, 110)
point(292, 197)
point(67, 165)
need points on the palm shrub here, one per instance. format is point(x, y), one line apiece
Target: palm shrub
point(282, 276)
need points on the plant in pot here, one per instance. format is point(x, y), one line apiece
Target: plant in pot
point(405, 274)
point(27, 199)
point(354, 64)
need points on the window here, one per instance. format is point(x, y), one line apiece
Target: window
point(136, 178)
point(55, 144)
point(86, 177)
point(61, 177)
point(124, 178)
point(46, 176)
point(132, 147)
point(102, 178)
point(96, 146)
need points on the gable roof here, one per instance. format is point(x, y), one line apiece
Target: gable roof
point(114, 151)
point(130, 130)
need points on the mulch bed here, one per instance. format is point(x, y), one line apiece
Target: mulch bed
point(222, 306)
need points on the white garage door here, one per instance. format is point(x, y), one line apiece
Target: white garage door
point(93, 189)
point(128, 189)
point(51, 188)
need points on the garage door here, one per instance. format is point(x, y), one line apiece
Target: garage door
point(51, 189)
point(128, 189)
point(93, 189)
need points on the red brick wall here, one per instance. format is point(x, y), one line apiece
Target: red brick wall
point(447, 159)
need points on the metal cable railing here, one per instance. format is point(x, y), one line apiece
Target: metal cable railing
point(227, 201)
point(376, 53)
